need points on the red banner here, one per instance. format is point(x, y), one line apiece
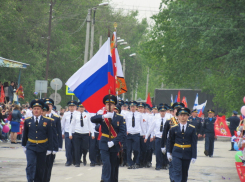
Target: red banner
point(221, 128)
point(2, 98)
point(240, 171)
point(178, 98)
point(20, 92)
point(148, 100)
point(184, 101)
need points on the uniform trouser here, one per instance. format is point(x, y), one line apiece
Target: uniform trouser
point(48, 168)
point(170, 163)
point(143, 149)
point(149, 150)
point(232, 134)
point(110, 163)
point(133, 143)
point(94, 152)
point(159, 154)
point(209, 143)
point(70, 157)
point(35, 165)
point(81, 142)
point(180, 169)
point(124, 146)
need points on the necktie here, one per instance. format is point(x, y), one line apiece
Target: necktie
point(36, 122)
point(183, 130)
point(133, 121)
point(82, 120)
point(161, 127)
point(71, 117)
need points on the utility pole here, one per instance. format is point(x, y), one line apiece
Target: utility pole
point(92, 34)
point(124, 74)
point(147, 81)
point(87, 37)
point(100, 42)
point(136, 90)
point(49, 38)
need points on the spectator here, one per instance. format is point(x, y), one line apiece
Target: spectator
point(6, 91)
point(234, 122)
point(15, 123)
point(11, 92)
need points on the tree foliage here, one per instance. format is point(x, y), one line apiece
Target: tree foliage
point(200, 44)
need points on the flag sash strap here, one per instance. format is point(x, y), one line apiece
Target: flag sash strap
point(113, 132)
point(174, 121)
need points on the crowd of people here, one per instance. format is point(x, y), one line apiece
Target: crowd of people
point(9, 91)
point(135, 128)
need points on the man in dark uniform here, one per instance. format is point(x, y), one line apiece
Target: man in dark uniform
point(165, 136)
point(197, 122)
point(183, 146)
point(208, 133)
point(37, 142)
point(234, 122)
point(57, 139)
point(112, 134)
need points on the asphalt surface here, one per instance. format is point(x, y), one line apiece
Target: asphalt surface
point(219, 168)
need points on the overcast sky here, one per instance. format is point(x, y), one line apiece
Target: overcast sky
point(146, 8)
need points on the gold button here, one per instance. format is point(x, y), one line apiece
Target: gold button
point(36, 131)
point(183, 148)
point(36, 137)
point(183, 137)
point(183, 143)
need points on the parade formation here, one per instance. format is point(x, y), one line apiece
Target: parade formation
point(129, 133)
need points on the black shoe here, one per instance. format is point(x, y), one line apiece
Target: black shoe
point(81, 161)
point(157, 168)
point(67, 164)
point(130, 167)
point(136, 166)
point(84, 161)
point(77, 165)
point(92, 165)
point(210, 156)
point(206, 152)
point(141, 166)
point(102, 180)
point(232, 150)
point(148, 165)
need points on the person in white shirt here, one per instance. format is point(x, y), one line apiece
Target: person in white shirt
point(157, 126)
point(65, 124)
point(134, 124)
point(143, 147)
point(29, 113)
point(81, 126)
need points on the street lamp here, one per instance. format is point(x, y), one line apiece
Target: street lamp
point(123, 43)
point(128, 47)
point(133, 54)
point(88, 19)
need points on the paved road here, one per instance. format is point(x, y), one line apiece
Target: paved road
point(13, 163)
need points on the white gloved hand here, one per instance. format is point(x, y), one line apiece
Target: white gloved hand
point(24, 149)
point(60, 149)
point(169, 156)
point(163, 150)
point(108, 115)
point(238, 133)
point(110, 144)
point(193, 160)
point(48, 152)
point(54, 152)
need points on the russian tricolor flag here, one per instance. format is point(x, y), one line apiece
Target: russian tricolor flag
point(91, 82)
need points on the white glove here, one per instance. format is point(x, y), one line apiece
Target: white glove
point(60, 149)
point(54, 152)
point(238, 133)
point(163, 150)
point(48, 152)
point(24, 149)
point(169, 156)
point(108, 115)
point(193, 160)
point(110, 144)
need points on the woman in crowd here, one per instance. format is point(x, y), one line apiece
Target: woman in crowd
point(15, 123)
point(6, 91)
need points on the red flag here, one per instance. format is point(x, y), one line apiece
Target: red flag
point(184, 101)
point(240, 171)
point(148, 100)
point(2, 95)
point(20, 92)
point(178, 99)
point(200, 113)
point(221, 128)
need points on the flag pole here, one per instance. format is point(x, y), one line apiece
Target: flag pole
point(109, 119)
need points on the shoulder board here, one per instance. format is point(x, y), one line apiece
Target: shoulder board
point(27, 118)
point(119, 114)
point(174, 125)
point(55, 115)
point(49, 118)
point(191, 125)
